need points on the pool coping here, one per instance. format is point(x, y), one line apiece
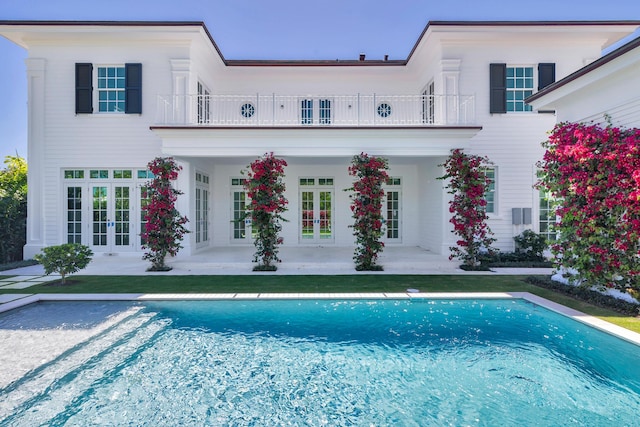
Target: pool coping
point(618, 331)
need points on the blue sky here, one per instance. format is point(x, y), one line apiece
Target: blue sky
point(279, 29)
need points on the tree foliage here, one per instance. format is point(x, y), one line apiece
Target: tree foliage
point(366, 205)
point(265, 188)
point(64, 259)
point(165, 227)
point(13, 208)
point(468, 183)
point(594, 173)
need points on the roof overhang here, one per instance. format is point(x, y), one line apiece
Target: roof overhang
point(314, 141)
point(24, 32)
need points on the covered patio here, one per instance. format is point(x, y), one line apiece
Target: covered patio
point(236, 260)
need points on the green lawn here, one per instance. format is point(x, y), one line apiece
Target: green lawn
point(268, 283)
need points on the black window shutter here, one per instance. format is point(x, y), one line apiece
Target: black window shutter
point(133, 88)
point(84, 88)
point(546, 74)
point(498, 88)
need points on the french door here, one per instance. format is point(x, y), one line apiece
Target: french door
point(315, 111)
point(316, 215)
point(391, 210)
point(110, 218)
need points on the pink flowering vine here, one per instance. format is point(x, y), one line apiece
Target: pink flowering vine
point(366, 206)
point(468, 183)
point(594, 173)
point(164, 228)
point(265, 188)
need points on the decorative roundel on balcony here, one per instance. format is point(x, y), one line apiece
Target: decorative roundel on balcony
point(384, 109)
point(247, 110)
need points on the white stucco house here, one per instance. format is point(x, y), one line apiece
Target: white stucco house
point(105, 98)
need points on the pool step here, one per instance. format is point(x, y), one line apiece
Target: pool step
point(40, 397)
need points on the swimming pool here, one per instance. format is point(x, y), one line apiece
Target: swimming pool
point(325, 362)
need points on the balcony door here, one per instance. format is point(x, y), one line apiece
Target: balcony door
point(315, 111)
point(316, 210)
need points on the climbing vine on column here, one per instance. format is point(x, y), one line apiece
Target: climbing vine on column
point(164, 226)
point(265, 188)
point(366, 205)
point(468, 183)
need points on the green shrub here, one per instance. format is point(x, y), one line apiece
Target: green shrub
point(513, 260)
point(588, 295)
point(64, 259)
point(531, 244)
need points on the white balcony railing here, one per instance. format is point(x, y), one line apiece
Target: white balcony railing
point(323, 110)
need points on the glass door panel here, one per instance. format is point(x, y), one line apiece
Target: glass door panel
point(242, 229)
point(308, 215)
point(99, 217)
point(122, 216)
point(326, 219)
point(393, 226)
point(74, 214)
point(392, 216)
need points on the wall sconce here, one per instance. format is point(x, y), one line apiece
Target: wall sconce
point(282, 106)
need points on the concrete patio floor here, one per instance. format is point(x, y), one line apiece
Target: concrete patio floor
point(295, 260)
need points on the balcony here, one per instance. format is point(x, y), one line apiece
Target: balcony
point(316, 111)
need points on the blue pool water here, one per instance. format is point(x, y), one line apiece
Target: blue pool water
point(327, 362)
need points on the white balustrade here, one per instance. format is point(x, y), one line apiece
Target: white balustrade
point(315, 110)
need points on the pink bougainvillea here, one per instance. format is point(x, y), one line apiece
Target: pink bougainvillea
point(594, 174)
point(265, 188)
point(366, 206)
point(164, 227)
point(468, 183)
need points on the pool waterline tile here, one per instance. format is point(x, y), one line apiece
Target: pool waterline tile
point(610, 328)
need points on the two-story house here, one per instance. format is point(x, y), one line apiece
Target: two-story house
point(105, 98)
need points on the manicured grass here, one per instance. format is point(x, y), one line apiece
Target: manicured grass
point(270, 283)
point(265, 282)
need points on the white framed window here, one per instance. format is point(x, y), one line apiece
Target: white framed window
point(519, 87)
point(428, 103)
point(202, 208)
point(241, 230)
point(111, 89)
point(384, 110)
point(247, 110)
point(392, 209)
point(546, 216)
point(204, 104)
point(490, 194)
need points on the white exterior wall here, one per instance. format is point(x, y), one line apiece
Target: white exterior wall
point(174, 60)
point(98, 140)
point(512, 141)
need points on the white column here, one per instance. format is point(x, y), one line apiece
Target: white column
point(450, 78)
point(186, 204)
point(180, 71)
point(36, 208)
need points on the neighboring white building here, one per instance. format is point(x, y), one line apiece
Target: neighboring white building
point(605, 91)
point(105, 98)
